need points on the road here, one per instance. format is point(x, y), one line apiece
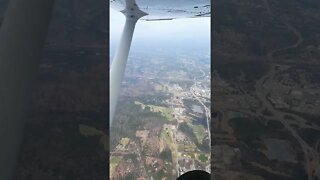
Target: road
point(207, 110)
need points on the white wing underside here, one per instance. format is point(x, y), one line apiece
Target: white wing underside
point(166, 9)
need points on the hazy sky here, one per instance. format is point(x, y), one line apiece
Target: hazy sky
point(193, 28)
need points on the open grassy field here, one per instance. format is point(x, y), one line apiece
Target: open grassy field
point(166, 136)
point(199, 131)
point(203, 158)
point(114, 161)
point(124, 141)
point(165, 112)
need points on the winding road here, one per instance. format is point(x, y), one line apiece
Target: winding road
point(207, 110)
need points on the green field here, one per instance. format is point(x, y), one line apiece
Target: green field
point(190, 147)
point(203, 158)
point(167, 137)
point(181, 148)
point(198, 131)
point(114, 161)
point(164, 111)
point(124, 141)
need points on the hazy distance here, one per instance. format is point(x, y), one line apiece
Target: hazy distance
point(192, 31)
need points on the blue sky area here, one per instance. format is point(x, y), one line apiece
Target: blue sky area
point(192, 30)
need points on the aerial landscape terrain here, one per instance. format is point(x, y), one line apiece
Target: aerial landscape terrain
point(161, 127)
point(260, 99)
point(265, 90)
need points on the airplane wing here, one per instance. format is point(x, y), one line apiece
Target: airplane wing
point(176, 13)
point(166, 9)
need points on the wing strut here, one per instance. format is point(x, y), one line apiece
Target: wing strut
point(119, 62)
point(23, 33)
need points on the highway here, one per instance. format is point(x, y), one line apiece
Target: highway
point(207, 110)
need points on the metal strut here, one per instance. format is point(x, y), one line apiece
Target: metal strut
point(119, 64)
point(117, 70)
